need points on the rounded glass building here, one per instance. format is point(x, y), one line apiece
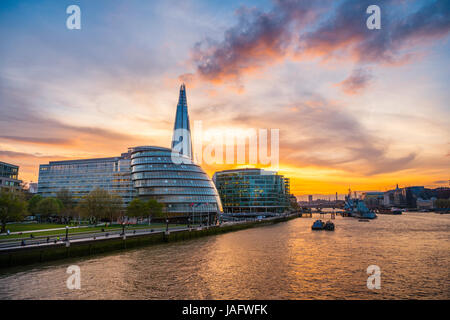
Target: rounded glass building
point(184, 188)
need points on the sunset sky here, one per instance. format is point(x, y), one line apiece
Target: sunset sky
point(356, 108)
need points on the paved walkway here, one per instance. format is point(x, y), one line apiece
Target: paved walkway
point(98, 235)
point(33, 243)
point(41, 230)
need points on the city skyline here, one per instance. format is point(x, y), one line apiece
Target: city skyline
point(365, 109)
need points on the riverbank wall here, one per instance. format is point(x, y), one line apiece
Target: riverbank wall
point(40, 254)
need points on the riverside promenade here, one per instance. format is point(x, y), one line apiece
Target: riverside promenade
point(41, 249)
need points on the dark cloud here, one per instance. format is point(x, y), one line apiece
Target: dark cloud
point(346, 31)
point(257, 39)
point(356, 82)
point(261, 38)
point(432, 20)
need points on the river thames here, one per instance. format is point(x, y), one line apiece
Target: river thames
point(283, 261)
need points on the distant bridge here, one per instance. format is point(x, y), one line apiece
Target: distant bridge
point(330, 205)
point(232, 215)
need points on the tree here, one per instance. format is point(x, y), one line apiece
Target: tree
point(442, 203)
point(154, 208)
point(12, 207)
point(100, 204)
point(32, 204)
point(148, 209)
point(65, 196)
point(136, 208)
point(48, 207)
point(114, 207)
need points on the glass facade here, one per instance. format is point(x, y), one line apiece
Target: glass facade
point(82, 176)
point(184, 188)
point(9, 176)
point(252, 191)
point(181, 139)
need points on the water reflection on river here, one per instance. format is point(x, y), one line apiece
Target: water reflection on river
point(283, 261)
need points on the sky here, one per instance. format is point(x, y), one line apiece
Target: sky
point(357, 108)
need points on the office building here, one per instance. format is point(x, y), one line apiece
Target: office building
point(9, 176)
point(252, 191)
point(82, 176)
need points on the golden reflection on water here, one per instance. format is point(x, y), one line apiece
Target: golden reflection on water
point(283, 261)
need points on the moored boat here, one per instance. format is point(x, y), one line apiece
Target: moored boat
point(394, 211)
point(318, 225)
point(384, 211)
point(357, 208)
point(329, 226)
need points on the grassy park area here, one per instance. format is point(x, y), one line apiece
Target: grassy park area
point(42, 226)
point(18, 227)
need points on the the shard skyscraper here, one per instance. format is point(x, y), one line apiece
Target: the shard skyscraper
point(181, 140)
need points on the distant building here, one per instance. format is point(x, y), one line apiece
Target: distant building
point(33, 187)
point(394, 198)
point(427, 204)
point(373, 199)
point(310, 198)
point(293, 200)
point(9, 176)
point(407, 197)
point(441, 193)
point(252, 191)
point(410, 195)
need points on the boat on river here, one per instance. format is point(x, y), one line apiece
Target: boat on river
point(318, 225)
point(357, 208)
point(393, 211)
point(329, 226)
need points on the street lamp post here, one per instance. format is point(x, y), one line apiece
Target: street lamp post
point(67, 233)
point(167, 219)
point(123, 228)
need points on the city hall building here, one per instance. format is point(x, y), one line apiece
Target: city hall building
point(252, 191)
point(146, 172)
